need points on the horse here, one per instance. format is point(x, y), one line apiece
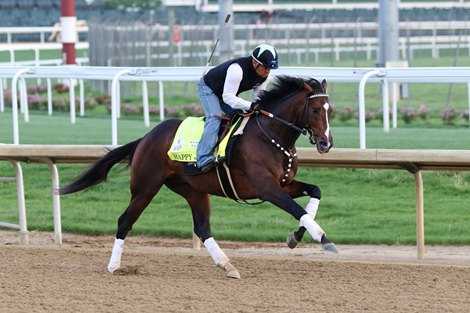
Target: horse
point(263, 165)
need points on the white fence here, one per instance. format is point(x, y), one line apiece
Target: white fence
point(13, 48)
point(298, 43)
point(384, 76)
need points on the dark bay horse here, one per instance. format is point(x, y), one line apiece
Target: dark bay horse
point(262, 166)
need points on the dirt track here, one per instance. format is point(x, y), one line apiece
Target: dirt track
point(163, 275)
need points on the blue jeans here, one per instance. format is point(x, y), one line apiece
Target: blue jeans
point(212, 108)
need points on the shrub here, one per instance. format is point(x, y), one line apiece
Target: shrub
point(60, 105)
point(408, 115)
point(448, 116)
point(422, 112)
point(464, 115)
point(369, 116)
point(36, 102)
point(130, 109)
point(193, 109)
point(103, 99)
point(90, 103)
point(61, 88)
point(36, 88)
point(345, 114)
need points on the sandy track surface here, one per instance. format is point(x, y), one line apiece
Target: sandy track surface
point(167, 275)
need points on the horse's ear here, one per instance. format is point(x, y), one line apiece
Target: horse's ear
point(324, 85)
point(307, 87)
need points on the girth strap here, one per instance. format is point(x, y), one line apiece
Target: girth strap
point(228, 188)
point(226, 183)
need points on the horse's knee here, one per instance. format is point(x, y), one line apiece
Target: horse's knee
point(314, 192)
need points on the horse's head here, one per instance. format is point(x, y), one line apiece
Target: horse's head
point(304, 106)
point(316, 114)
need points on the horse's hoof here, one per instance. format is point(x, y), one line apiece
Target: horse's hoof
point(113, 267)
point(291, 241)
point(329, 247)
point(231, 271)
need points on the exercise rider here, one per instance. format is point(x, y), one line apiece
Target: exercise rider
point(219, 90)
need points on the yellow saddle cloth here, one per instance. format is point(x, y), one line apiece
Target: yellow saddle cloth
point(187, 137)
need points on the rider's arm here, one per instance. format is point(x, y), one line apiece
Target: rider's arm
point(258, 88)
point(232, 83)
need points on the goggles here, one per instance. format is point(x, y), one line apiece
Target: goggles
point(270, 64)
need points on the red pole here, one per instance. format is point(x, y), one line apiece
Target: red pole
point(69, 34)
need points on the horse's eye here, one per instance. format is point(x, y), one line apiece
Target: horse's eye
point(316, 110)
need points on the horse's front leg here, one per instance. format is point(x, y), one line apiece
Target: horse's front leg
point(297, 189)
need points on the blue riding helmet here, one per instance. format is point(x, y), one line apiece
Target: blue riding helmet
point(266, 55)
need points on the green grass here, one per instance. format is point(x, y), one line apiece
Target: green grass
point(358, 206)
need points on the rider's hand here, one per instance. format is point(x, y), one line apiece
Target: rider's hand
point(255, 106)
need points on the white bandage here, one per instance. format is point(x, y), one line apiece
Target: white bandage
point(216, 253)
point(312, 207)
point(115, 260)
point(312, 227)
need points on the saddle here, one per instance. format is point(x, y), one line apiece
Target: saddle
point(184, 146)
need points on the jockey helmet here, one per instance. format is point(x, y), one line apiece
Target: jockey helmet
point(266, 55)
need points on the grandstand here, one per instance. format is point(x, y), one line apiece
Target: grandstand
point(15, 13)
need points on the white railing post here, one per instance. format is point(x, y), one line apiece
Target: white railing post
point(82, 97)
point(115, 103)
point(72, 100)
point(362, 110)
point(55, 201)
point(161, 100)
point(385, 106)
point(24, 237)
point(395, 87)
point(145, 103)
point(24, 99)
point(468, 90)
point(14, 103)
point(49, 96)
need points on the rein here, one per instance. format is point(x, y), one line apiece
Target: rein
point(302, 130)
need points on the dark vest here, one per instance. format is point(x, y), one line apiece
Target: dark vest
point(215, 78)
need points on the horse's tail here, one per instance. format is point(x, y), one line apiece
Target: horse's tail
point(98, 172)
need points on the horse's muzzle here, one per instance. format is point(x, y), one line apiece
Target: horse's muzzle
point(323, 144)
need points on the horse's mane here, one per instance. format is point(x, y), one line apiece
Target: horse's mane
point(286, 85)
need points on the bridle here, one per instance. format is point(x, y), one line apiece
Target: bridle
point(303, 130)
point(290, 153)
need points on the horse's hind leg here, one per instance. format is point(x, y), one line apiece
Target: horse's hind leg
point(200, 208)
point(141, 198)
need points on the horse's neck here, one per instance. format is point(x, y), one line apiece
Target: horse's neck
point(275, 130)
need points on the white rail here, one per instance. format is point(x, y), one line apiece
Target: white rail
point(185, 74)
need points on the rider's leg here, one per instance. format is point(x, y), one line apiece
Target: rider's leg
point(205, 148)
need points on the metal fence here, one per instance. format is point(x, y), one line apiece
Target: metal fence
point(299, 44)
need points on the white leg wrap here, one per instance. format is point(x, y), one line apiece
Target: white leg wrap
point(115, 261)
point(312, 208)
point(312, 227)
point(216, 253)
